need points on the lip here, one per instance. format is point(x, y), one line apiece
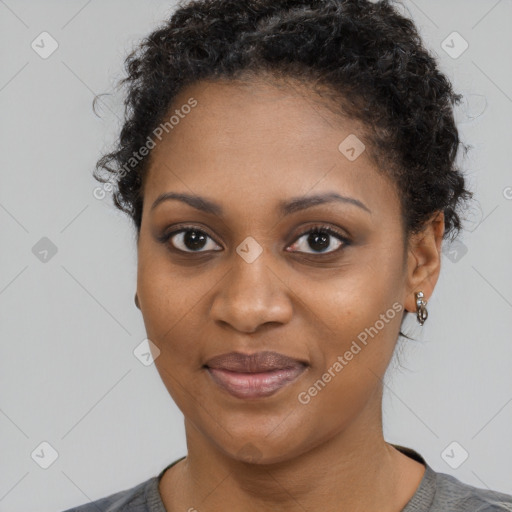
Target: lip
point(254, 375)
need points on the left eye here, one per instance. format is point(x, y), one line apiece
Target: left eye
point(320, 239)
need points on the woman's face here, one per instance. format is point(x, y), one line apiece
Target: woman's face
point(245, 278)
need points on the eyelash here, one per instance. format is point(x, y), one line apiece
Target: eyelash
point(321, 228)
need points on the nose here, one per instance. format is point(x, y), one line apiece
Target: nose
point(251, 295)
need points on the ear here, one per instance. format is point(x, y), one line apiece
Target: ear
point(424, 260)
point(137, 301)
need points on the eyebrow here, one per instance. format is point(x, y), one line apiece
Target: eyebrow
point(285, 207)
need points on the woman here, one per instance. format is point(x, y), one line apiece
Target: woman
point(290, 170)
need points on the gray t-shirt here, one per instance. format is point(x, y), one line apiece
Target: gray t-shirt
point(437, 492)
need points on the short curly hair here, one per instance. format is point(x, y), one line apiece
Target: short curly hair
point(366, 57)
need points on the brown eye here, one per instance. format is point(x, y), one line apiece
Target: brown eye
point(321, 239)
point(190, 239)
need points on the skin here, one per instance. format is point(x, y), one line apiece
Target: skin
point(248, 147)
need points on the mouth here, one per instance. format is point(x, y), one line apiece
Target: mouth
point(250, 376)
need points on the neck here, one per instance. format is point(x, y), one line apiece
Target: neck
point(354, 469)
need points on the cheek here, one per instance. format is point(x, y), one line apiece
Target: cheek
point(361, 296)
point(352, 367)
point(169, 306)
point(171, 311)
point(357, 318)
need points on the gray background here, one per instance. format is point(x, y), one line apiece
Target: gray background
point(68, 375)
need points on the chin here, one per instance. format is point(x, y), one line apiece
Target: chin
point(262, 450)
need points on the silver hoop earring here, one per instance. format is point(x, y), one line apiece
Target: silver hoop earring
point(421, 309)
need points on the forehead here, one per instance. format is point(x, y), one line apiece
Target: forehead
point(256, 143)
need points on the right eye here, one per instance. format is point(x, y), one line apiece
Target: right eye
point(189, 239)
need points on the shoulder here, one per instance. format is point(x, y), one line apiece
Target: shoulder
point(454, 495)
point(440, 492)
point(134, 499)
point(143, 497)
